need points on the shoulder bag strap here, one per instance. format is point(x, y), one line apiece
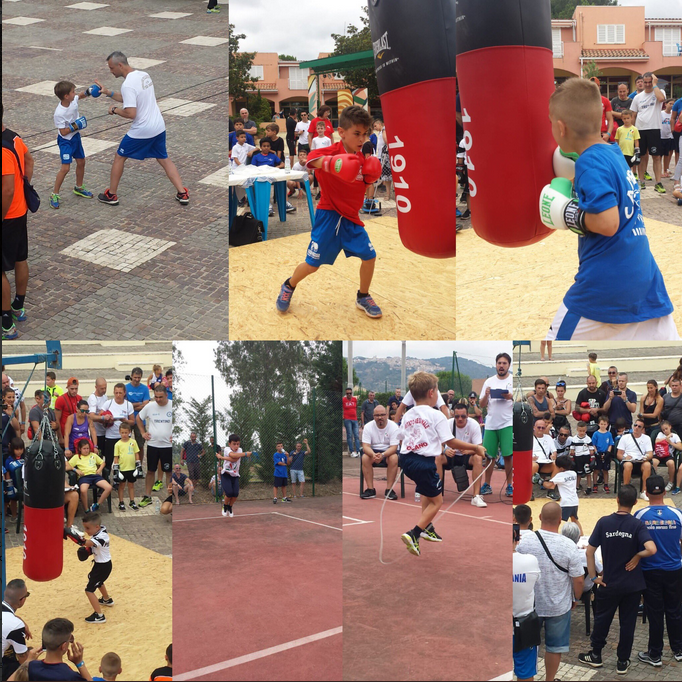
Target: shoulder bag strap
point(551, 558)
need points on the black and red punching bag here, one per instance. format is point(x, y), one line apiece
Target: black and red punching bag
point(43, 510)
point(506, 76)
point(414, 59)
point(523, 452)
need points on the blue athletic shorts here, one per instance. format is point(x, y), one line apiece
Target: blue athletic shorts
point(331, 233)
point(230, 485)
point(70, 149)
point(139, 148)
point(422, 470)
point(526, 663)
point(90, 479)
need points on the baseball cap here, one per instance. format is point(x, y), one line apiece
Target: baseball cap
point(72, 381)
point(473, 394)
point(655, 485)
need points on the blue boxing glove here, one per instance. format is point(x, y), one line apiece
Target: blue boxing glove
point(10, 490)
point(94, 90)
point(78, 124)
point(559, 210)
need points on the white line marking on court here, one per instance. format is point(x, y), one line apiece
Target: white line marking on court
point(506, 676)
point(468, 516)
point(38, 47)
point(357, 522)
point(208, 518)
point(306, 520)
point(193, 674)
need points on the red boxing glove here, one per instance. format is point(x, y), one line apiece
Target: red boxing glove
point(371, 170)
point(344, 166)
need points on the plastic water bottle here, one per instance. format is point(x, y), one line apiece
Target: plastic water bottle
point(417, 497)
point(157, 505)
point(287, 164)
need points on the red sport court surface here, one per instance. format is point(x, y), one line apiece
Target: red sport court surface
point(444, 615)
point(258, 596)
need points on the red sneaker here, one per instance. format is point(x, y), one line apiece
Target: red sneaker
point(183, 197)
point(108, 198)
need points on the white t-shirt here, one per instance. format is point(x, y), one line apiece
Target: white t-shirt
point(96, 404)
point(648, 110)
point(663, 448)
point(408, 400)
point(380, 142)
point(525, 571)
point(231, 468)
point(159, 420)
point(303, 128)
point(423, 431)
point(581, 446)
point(543, 448)
point(241, 151)
point(628, 445)
point(100, 549)
point(125, 411)
point(666, 133)
point(381, 439)
point(298, 167)
point(566, 482)
point(499, 410)
point(138, 91)
point(63, 116)
point(320, 142)
point(470, 433)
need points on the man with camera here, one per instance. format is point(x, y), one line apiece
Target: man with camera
point(621, 402)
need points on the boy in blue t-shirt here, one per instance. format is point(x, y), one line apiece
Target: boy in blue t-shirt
point(238, 128)
point(266, 157)
point(281, 459)
point(633, 304)
point(603, 443)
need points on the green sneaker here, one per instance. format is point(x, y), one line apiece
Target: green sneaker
point(642, 185)
point(9, 334)
point(145, 501)
point(82, 192)
point(215, 10)
point(54, 200)
point(19, 315)
point(658, 187)
point(647, 176)
point(157, 486)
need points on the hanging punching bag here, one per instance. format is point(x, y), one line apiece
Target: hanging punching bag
point(43, 510)
point(506, 45)
point(523, 452)
point(414, 59)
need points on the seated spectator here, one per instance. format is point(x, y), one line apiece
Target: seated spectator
point(164, 672)
point(540, 401)
point(89, 467)
point(380, 449)
point(110, 667)
point(167, 504)
point(572, 532)
point(562, 442)
point(58, 641)
point(544, 452)
point(665, 446)
point(156, 377)
point(181, 485)
point(635, 454)
point(562, 406)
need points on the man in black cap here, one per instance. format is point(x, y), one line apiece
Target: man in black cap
point(662, 574)
point(473, 409)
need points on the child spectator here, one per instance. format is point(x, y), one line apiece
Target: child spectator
point(242, 151)
point(276, 142)
point(69, 123)
point(281, 459)
point(593, 367)
point(181, 485)
point(165, 672)
point(300, 165)
point(110, 667)
point(268, 158)
point(320, 142)
point(566, 481)
point(603, 444)
point(98, 544)
point(627, 137)
point(229, 475)
point(369, 205)
point(52, 388)
point(58, 641)
point(234, 135)
point(344, 172)
point(664, 452)
point(582, 452)
point(125, 457)
point(13, 465)
point(608, 218)
point(667, 147)
point(423, 432)
point(89, 467)
point(156, 377)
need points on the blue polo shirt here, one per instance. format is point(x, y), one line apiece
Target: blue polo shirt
point(297, 459)
point(635, 292)
point(665, 527)
point(280, 460)
point(232, 139)
point(193, 450)
point(265, 160)
point(137, 394)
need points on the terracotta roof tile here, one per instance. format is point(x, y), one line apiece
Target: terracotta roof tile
point(624, 54)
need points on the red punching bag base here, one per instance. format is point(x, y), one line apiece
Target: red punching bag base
point(43, 543)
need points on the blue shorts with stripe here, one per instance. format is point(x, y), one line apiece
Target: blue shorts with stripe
point(70, 149)
point(422, 470)
point(332, 233)
point(143, 148)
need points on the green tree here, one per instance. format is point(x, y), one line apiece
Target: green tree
point(287, 58)
point(198, 418)
point(563, 9)
point(590, 69)
point(178, 366)
point(357, 40)
point(259, 108)
point(239, 66)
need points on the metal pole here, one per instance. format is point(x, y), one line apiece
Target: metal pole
point(461, 390)
point(215, 440)
point(315, 437)
point(452, 386)
point(350, 364)
point(402, 365)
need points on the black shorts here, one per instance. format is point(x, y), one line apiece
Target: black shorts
point(14, 242)
point(280, 482)
point(98, 575)
point(458, 461)
point(291, 144)
point(650, 142)
point(583, 465)
point(168, 499)
point(567, 512)
point(129, 476)
point(602, 461)
point(628, 160)
point(303, 147)
point(423, 471)
point(667, 146)
point(383, 464)
point(663, 461)
point(154, 455)
point(231, 484)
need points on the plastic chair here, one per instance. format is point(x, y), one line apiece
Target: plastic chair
point(362, 480)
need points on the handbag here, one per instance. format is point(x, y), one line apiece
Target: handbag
point(527, 632)
point(30, 194)
point(245, 229)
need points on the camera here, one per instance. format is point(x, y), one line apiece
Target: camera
point(617, 391)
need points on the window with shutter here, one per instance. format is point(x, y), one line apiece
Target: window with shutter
point(671, 38)
point(256, 72)
point(298, 78)
point(611, 34)
point(557, 44)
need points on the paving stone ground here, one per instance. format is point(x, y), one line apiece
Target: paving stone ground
point(162, 293)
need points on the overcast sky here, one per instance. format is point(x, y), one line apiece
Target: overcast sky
point(663, 9)
point(302, 28)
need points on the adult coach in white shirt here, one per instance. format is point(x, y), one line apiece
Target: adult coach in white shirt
point(146, 137)
point(544, 450)
point(380, 448)
point(96, 402)
point(635, 453)
point(497, 395)
point(467, 429)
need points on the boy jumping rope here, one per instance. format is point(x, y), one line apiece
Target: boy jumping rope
point(343, 173)
point(229, 474)
point(633, 304)
point(423, 432)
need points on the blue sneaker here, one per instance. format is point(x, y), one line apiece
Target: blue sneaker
point(510, 490)
point(9, 334)
point(367, 304)
point(54, 200)
point(458, 213)
point(675, 491)
point(82, 192)
point(486, 489)
point(19, 315)
point(284, 298)
point(94, 507)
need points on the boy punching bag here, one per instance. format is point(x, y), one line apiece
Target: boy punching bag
point(414, 59)
point(523, 452)
point(43, 509)
point(506, 76)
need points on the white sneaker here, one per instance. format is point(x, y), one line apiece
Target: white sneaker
point(642, 496)
point(231, 514)
point(224, 512)
point(477, 501)
point(669, 487)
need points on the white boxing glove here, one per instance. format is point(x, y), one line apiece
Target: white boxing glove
point(564, 164)
point(559, 210)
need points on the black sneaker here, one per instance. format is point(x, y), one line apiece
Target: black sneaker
point(108, 198)
point(622, 667)
point(183, 197)
point(286, 499)
point(412, 543)
point(121, 506)
point(429, 533)
point(390, 494)
point(678, 656)
point(96, 618)
point(274, 500)
point(368, 494)
point(132, 505)
point(591, 658)
point(646, 657)
point(106, 602)
point(466, 215)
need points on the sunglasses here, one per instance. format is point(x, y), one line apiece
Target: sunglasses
point(27, 595)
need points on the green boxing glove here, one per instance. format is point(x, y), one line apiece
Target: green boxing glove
point(559, 210)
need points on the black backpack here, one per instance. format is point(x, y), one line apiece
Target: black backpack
point(245, 229)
